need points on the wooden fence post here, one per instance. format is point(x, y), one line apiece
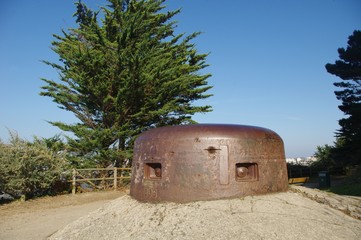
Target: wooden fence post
point(77, 177)
point(115, 179)
point(73, 190)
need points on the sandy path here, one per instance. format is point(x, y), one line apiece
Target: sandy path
point(38, 219)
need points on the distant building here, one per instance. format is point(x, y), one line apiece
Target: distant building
point(304, 161)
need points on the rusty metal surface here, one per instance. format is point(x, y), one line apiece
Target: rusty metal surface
point(207, 161)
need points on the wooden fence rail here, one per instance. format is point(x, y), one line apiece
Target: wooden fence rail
point(107, 174)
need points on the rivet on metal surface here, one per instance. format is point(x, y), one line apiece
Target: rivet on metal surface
point(242, 172)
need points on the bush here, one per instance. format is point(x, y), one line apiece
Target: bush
point(30, 169)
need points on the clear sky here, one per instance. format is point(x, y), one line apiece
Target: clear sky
point(266, 58)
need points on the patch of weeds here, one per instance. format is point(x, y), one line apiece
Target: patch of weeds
point(347, 189)
point(350, 185)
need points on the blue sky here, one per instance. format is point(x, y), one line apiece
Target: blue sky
point(266, 58)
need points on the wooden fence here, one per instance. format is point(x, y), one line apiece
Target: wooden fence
point(100, 178)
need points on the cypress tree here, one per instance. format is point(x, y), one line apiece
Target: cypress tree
point(123, 70)
point(348, 68)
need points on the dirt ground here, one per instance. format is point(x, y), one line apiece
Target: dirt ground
point(38, 219)
point(300, 213)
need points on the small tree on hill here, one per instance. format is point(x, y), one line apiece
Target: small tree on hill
point(348, 68)
point(124, 73)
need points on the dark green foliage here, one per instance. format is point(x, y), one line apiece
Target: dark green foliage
point(348, 68)
point(30, 169)
point(122, 74)
point(324, 157)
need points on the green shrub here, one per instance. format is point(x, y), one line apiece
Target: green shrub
point(30, 169)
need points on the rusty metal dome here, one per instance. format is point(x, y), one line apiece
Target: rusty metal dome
point(207, 161)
